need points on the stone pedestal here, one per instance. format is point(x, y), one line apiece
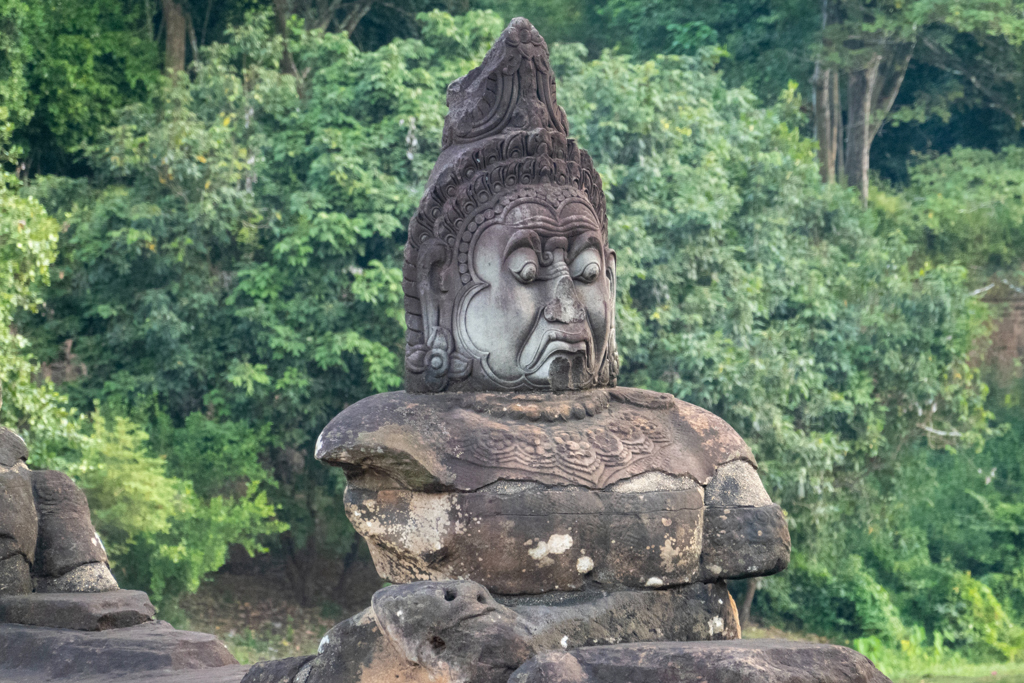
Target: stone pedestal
point(62, 615)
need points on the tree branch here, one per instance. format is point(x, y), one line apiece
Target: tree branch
point(352, 19)
point(958, 68)
point(886, 95)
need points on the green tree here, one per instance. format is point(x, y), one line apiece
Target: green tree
point(855, 56)
point(236, 256)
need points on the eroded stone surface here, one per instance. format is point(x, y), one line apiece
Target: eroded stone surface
point(455, 632)
point(741, 542)
point(279, 670)
point(15, 576)
point(12, 448)
point(736, 484)
point(740, 661)
point(67, 538)
point(78, 611)
point(532, 541)
point(18, 522)
point(447, 486)
point(156, 648)
point(453, 627)
point(94, 577)
point(695, 612)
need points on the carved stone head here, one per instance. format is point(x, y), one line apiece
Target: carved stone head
point(509, 281)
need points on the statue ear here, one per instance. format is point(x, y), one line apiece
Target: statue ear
point(612, 364)
point(430, 262)
point(430, 265)
point(609, 259)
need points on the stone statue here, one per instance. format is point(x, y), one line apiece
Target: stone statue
point(543, 525)
point(512, 459)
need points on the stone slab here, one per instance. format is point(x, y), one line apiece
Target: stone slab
point(152, 651)
point(221, 674)
point(78, 611)
point(738, 661)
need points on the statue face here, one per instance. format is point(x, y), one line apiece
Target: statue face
point(540, 311)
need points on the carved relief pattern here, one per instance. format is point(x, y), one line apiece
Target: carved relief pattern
point(588, 455)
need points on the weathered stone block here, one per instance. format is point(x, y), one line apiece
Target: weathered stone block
point(15, 576)
point(533, 541)
point(94, 577)
point(18, 521)
point(739, 661)
point(694, 612)
point(278, 670)
point(736, 484)
point(78, 611)
point(142, 652)
point(12, 448)
point(455, 632)
point(67, 538)
point(740, 542)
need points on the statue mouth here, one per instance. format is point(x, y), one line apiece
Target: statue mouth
point(548, 341)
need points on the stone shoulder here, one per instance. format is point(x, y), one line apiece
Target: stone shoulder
point(452, 441)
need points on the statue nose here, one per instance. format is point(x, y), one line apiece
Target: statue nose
point(565, 307)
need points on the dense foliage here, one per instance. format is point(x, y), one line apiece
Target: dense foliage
point(216, 273)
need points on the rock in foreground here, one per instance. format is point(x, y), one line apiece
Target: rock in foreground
point(143, 652)
point(737, 661)
point(78, 611)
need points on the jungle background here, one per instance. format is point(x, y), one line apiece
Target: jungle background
point(818, 210)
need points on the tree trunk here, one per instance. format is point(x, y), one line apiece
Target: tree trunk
point(748, 601)
point(281, 14)
point(823, 125)
point(838, 139)
point(300, 565)
point(352, 19)
point(860, 95)
point(176, 28)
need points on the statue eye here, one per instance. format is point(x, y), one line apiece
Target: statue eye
point(587, 266)
point(523, 264)
point(528, 273)
point(589, 273)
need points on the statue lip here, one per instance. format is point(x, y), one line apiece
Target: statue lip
point(573, 339)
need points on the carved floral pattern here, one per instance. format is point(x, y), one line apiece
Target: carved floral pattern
point(588, 455)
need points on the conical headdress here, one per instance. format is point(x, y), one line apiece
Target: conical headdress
point(504, 134)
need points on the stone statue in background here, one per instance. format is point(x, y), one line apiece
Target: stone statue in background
point(512, 459)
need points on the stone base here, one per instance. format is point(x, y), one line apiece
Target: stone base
point(456, 632)
point(78, 611)
point(148, 652)
point(696, 612)
point(740, 661)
